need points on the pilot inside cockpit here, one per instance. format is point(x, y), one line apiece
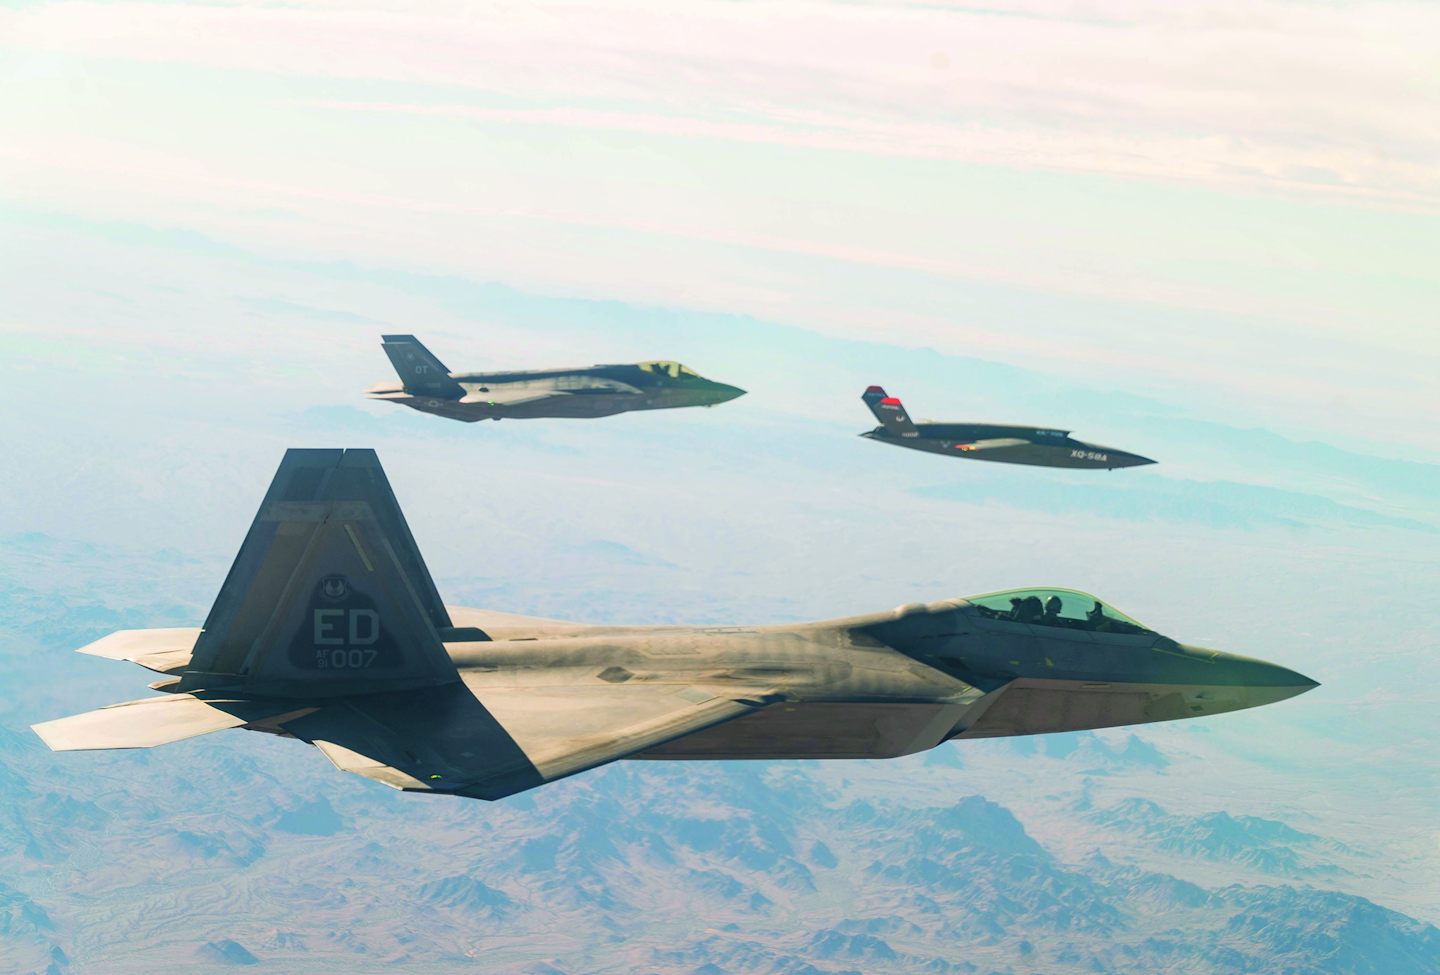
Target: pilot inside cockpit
point(1026, 609)
point(1064, 608)
point(1053, 605)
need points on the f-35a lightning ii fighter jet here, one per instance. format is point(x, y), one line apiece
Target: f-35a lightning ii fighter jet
point(589, 391)
point(329, 629)
point(989, 441)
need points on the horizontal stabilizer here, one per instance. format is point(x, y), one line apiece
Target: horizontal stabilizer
point(149, 722)
point(164, 651)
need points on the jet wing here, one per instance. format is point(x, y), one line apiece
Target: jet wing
point(521, 393)
point(491, 742)
point(508, 626)
point(510, 397)
point(494, 397)
point(483, 618)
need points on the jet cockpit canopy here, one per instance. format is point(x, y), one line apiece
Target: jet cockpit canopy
point(1068, 608)
point(664, 368)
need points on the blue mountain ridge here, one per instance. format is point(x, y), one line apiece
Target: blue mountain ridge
point(241, 850)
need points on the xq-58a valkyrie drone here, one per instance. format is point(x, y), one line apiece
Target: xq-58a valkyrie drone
point(1003, 443)
point(329, 629)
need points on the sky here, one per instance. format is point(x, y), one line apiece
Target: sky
point(1235, 200)
point(1206, 233)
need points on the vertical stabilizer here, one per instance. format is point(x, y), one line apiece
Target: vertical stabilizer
point(889, 411)
point(420, 371)
point(328, 595)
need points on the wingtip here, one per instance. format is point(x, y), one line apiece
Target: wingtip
point(52, 741)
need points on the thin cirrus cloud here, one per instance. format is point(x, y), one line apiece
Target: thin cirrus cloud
point(826, 164)
point(1327, 100)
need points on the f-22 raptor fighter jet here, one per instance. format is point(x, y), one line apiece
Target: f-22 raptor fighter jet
point(589, 391)
point(988, 441)
point(328, 629)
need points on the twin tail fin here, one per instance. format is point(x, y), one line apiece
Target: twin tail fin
point(890, 412)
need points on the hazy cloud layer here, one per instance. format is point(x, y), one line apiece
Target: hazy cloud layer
point(1232, 198)
point(1329, 99)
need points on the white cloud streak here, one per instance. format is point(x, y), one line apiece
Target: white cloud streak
point(760, 157)
point(1331, 100)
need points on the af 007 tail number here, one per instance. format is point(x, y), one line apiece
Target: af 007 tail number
point(343, 638)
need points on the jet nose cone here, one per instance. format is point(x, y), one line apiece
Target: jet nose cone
point(1280, 684)
point(724, 393)
point(1264, 682)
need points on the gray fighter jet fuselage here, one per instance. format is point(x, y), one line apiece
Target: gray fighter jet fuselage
point(588, 391)
point(329, 630)
point(1005, 443)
